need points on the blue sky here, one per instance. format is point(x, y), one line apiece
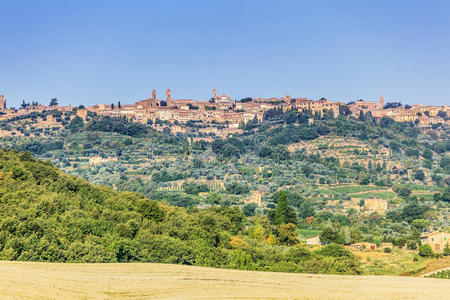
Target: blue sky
point(87, 52)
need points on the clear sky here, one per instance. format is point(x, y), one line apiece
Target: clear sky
point(87, 52)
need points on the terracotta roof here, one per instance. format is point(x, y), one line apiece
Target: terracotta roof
point(433, 233)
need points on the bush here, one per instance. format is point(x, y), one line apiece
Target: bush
point(447, 249)
point(425, 250)
point(411, 245)
point(335, 250)
point(387, 250)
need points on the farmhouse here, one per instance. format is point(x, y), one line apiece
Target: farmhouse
point(437, 240)
point(255, 197)
point(386, 245)
point(315, 240)
point(363, 246)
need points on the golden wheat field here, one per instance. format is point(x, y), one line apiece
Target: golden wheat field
point(26, 280)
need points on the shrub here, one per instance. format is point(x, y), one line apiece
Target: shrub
point(447, 250)
point(387, 250)
point(335, 250)
point(411, 245)
point(425, 250)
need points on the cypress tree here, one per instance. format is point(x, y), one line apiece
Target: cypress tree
point(282, 208)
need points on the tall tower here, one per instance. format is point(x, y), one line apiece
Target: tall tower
point(381, 101)
point(168, 97)
point(214, 94)
point(2, 102)
point(154, 98)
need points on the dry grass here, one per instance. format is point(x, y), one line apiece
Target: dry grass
point(435, 264)
point(399, 262)
point(395, 263)
point(20, 280)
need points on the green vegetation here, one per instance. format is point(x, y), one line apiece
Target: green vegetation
point(50, 216)
point(425, 250)
point(441, 274)
point(396, 262)
point(314, 175)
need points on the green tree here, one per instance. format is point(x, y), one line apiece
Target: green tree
point(420, 224)
point(150, 210)
point(445, 196)
point(329, 235)
point(281, 209)
point(413, 211)
point(447, 249)
point(76, 124)
point(288, 234)
point(404, 192)
point(425, 250)
point(346, 235)
point(249, 209)
point(53, 102)
point(428, 154)
point(419, 175)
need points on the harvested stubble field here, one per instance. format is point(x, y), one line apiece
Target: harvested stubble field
point(23, 280)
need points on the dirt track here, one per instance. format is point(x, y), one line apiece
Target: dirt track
point(20, 280)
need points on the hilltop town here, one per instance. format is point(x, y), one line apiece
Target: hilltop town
point(370, 163)
point(222, 117)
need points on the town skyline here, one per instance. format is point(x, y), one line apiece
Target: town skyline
point(81, 53)
point(221, 116)
point(17, 101)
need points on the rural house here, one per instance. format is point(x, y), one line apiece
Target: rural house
point(437, 240)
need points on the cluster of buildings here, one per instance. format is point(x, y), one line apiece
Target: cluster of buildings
point(437, 240)
point(221, 116)
point(423, 115)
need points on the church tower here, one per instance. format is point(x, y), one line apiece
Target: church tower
point(2, 102)
point(169, 98)
point(381, 101)
point(215, 94)
point(154, 101)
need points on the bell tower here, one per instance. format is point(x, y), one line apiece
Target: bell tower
point(154, 103)
point(2, 102)
point(169, 97)
point(215, 94)
point(381, 101)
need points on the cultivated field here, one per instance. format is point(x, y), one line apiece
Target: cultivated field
point(21, 280)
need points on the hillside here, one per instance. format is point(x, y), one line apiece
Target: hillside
point(334, 164)
point(49, 216)
point(159, 281)
point(281, 152)
point(347, 180)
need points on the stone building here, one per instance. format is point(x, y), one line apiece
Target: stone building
point(437, 240)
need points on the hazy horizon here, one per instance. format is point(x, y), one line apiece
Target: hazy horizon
point(108, 51)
